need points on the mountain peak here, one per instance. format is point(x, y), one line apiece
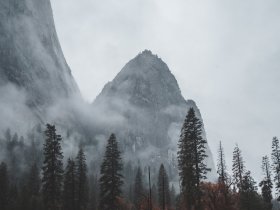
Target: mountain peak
point(148, 57)
point(146, 100)
point(145, 65)
point(147, 52)
point(146, 81)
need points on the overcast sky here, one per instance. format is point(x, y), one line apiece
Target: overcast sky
point(225, 55)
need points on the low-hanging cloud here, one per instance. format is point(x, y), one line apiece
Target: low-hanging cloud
point(223, 53)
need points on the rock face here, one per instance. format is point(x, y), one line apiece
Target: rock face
point(151, 111)
point(30, 54)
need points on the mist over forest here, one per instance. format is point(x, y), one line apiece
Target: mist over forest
point(139, 145)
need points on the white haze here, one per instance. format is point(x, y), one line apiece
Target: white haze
point(224, 54)
point(14, 111)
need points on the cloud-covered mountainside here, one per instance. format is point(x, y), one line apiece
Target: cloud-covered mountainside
point(143, 105)
point(31, 58)
point(147, 111)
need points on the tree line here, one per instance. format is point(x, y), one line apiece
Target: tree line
point(49, 185)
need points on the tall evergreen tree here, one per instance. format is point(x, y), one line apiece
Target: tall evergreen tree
point(94, 191)
point(111, 179)
point(33, 182)
point(249, 199)
point(29, 189)
point(52, 169)
point(14, 201)
point(238, 168)
point(82, 180)
point(154, 194)
point(163, 189)
point(69, 186)
point(8, 135)
point(223, 176)
point(266, 184)
point(172, 197)
point(4, 186)
point(275, 155)
point(33, 187)
point(191, 160)
point(15, 138)
point(138, 189)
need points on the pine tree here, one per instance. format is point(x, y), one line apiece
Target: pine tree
point(111, 179)
point(52, 169)
point(8, 135)
point(172, 197)
point(33, 187)
point(266, 184)
point(249, 199)
point(4, 186)
point(223, 176)
point(138, 189)
point(24, 198)
point(13, 157)
point(275, 155)
point(238, 168)
point(154, 194)
point(130, 192)
point(34, 180)
point(13, 197)
point(129, 172)
point(15, 138)
point(191, 160)
point(163, 188)
point(69, 186)
point(94, 191)
point(82, 180)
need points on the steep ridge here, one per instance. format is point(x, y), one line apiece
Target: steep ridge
point(31, 58)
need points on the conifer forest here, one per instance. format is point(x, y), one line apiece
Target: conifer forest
point(52, 181)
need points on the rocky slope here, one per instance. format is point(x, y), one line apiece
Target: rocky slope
point(150, 111)
point(31, 58)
